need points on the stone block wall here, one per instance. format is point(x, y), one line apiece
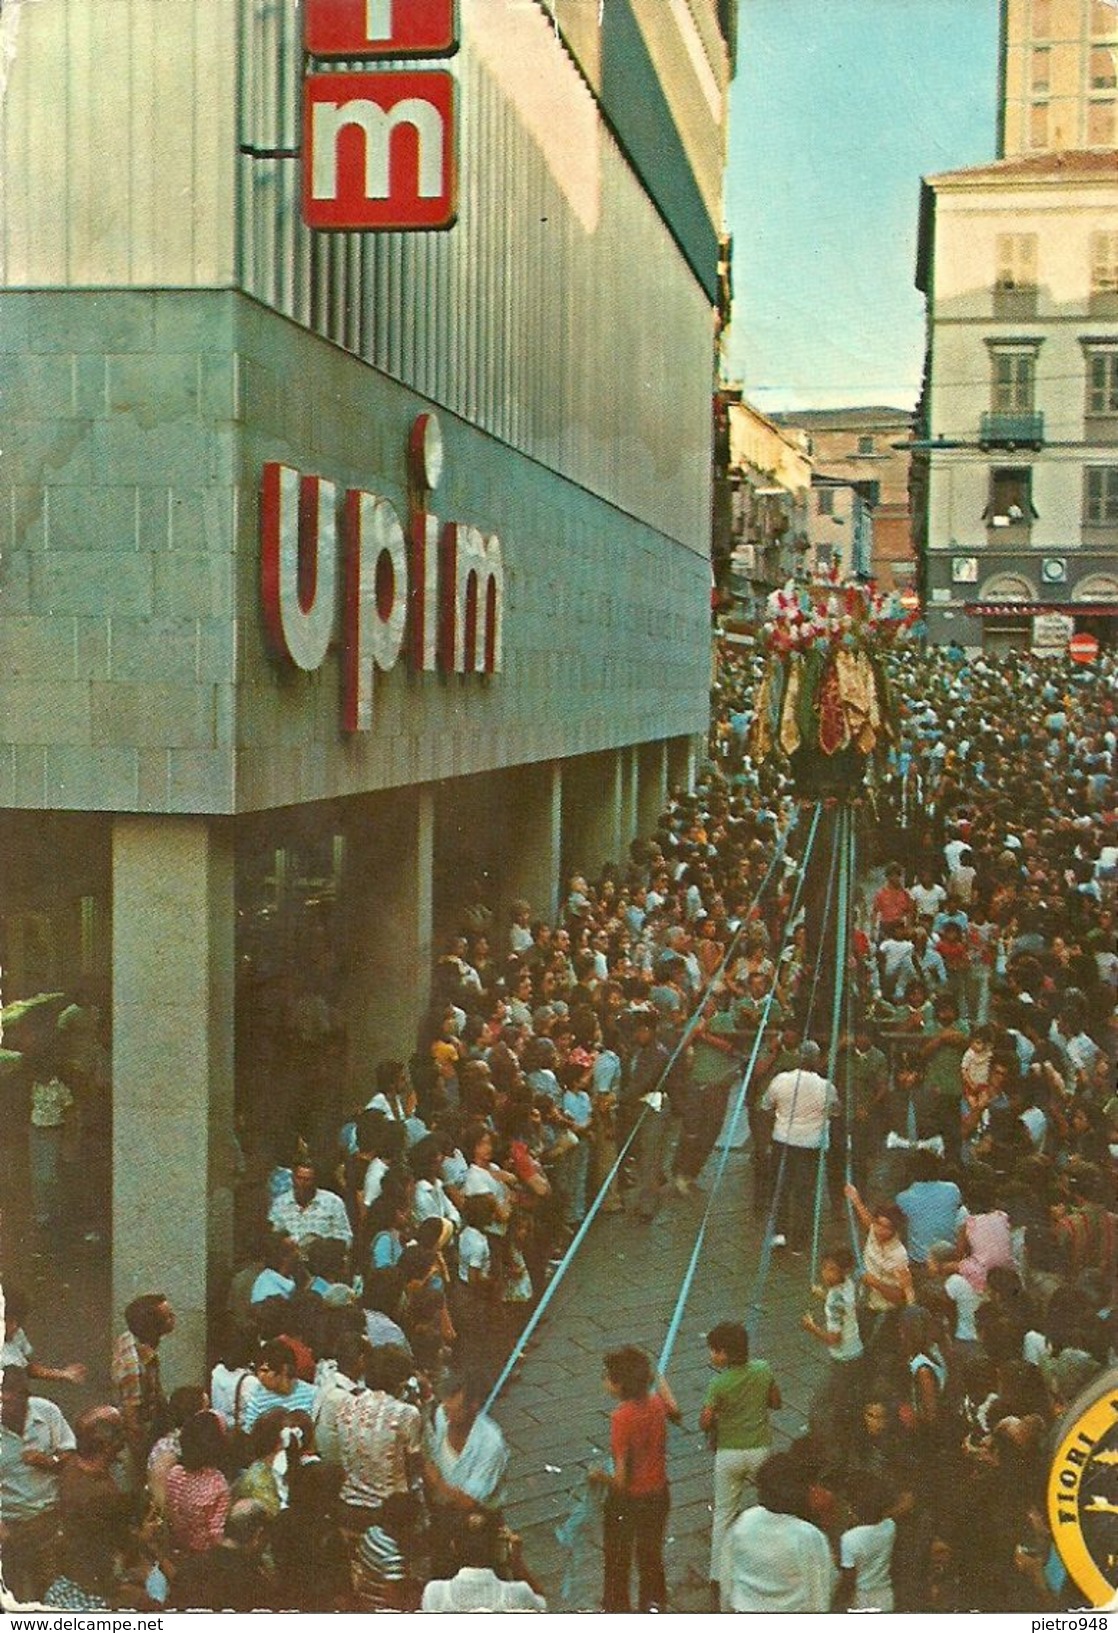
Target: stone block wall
point(134, 672)
point(117, 545)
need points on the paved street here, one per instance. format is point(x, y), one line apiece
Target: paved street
point(622, 1289)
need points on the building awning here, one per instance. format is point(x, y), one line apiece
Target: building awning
point(1029, 609)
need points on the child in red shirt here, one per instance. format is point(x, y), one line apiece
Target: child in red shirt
point(636, 1509)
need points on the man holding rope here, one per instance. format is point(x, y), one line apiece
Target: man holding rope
point(645, 1092)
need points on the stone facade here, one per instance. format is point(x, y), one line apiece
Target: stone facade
point(136, 675)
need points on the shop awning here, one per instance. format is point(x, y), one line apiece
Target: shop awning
point(1029, 609)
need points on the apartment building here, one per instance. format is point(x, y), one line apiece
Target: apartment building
point(1059, 76)
point(1018, 463)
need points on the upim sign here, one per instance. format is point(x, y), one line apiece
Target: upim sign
point(379, 151)
point(436, 587)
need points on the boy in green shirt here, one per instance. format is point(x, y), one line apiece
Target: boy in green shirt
point(736, 1416)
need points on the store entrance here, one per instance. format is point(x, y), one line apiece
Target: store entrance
point(56, 961)
point(1007, 635)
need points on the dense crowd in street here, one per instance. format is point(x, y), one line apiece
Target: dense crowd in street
point(965, 1123)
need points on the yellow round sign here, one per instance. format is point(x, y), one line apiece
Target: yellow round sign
point(1083, 1492)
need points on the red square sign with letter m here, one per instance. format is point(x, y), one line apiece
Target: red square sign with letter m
point(380, 28)
point(378, 151)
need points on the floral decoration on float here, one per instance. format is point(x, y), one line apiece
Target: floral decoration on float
point(825, 702)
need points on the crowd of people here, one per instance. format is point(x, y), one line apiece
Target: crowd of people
point(338, 1455)
point(971, 1131)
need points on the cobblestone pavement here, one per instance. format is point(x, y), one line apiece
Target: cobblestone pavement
point(621, 1289)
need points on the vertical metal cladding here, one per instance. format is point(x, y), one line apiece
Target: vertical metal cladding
point(585, 345)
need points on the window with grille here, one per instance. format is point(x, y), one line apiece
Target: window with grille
point(865, 445)
point(826, 501)
point(1102, 382)
point(1100, 495)
point(1104, 263)
point(1016, 261)
point(1014, 386)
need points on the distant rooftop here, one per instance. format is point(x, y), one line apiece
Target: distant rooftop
point(838, 419)
point(1076, 163)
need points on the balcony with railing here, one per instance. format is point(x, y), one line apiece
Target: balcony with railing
point(1017, 430)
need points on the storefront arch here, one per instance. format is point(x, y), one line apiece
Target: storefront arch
point(1008, 587)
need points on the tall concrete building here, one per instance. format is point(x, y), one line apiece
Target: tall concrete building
point(1059, 76)
point(342, 571)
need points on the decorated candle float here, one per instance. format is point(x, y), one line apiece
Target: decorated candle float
point(825, 702)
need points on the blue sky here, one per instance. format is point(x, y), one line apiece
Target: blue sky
point(839, 107)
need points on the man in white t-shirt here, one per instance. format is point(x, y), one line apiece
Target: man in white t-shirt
point(802, 1102)
point(477, 1587)
point(928, 894)
point(836, 1405)
point(866, 1556)
point(773, 1560)
point(894, 953)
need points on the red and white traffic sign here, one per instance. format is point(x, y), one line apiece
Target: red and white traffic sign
point(379, 150)
point(381, 28)
point(1083, 648)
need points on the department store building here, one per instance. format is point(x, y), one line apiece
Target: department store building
point(344, 575)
